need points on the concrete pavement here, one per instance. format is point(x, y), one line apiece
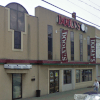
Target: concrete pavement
point(67, 95)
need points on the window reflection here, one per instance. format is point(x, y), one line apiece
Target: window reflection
point(17, 40)
point(17, 20)
point(16, 86)
point(21, 23)
point(50, 33)
point(13, 19)
point(67, 76)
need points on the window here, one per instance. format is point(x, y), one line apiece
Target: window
point(50, 32)
point(17, 40)
point(77, 76)
point(86, 75)
point(17, 22)
point(83, 75)
point(60, 41)
point(90, 75)
point(88, 48)
point(72, 45)
point(81, 46)
point(67, 76)
point(16, 86)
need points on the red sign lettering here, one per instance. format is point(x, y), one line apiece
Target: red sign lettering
point(92, 50)
point(63, 46)
point(68, 22)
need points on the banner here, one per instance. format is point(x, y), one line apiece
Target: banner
point(63, 46)
point(92, 50)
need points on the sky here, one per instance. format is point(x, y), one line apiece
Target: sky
point(82, 10)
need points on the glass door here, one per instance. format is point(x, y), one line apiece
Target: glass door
point(16, 86)
point(54, 81)
point(51, 82)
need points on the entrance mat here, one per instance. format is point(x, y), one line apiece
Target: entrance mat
point(91, 92)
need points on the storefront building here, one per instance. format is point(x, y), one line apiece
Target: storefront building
point(97, 36)
point(48, 52)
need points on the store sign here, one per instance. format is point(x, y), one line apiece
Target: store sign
point(92, 50)
point(71, 23)
point(63, 46)
point(13, 66)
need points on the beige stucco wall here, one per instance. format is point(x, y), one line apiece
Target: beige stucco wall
point(5, 84)
point(28, 87)
point(43, 79)
point(47, 17)
point(97, 32)
point(28, 38)
point(30, 51)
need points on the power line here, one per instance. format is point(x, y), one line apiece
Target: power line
point(70, 13)
point(83, 9)
point(89, 5)
point(94, 3)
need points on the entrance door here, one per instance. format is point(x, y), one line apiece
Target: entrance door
point(54, 81)
point(16, 86)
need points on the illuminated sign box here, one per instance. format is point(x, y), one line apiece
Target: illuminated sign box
point(17, 66)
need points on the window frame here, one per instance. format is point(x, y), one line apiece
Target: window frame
point(81, 75)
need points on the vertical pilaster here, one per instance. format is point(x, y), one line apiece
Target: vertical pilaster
point(60, 80)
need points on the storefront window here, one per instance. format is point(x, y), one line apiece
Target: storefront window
point(67, 76)
point(90, 75)
point(83, 75)
point(86, 75)
point(77, 76)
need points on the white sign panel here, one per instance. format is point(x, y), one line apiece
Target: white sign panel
point(17, 66)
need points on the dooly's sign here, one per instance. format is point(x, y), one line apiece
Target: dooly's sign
point(63, 46)
point(71, 23)
point(92, 50)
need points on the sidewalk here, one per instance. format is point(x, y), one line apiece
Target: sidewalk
point(67, 95)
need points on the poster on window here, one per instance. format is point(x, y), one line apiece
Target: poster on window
point(63, 46)
point(92, 50)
